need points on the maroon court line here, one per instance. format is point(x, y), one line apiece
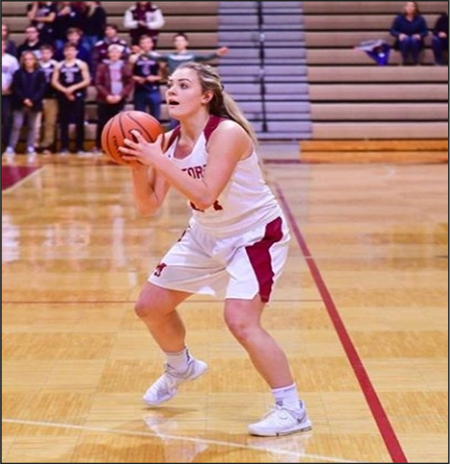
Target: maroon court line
point(11, 175)
point(379, 414)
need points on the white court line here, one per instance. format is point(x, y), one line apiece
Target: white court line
point(226, 444)
point(21, 181)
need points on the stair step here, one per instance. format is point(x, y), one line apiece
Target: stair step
point(254, 36)
point(278, 71)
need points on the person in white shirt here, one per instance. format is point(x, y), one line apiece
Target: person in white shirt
point(10, 65)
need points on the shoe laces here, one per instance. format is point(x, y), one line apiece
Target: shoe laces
point(276, 413)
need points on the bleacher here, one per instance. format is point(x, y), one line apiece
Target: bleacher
point(350, 96)
point(354, 98)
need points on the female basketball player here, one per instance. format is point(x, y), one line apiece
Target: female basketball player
point(236, 242)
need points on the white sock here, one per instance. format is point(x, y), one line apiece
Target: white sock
point(178, 361)
point(287, 397)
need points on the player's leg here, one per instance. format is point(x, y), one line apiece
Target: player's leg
point(243, 318)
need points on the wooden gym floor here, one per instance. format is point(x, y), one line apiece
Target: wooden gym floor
point(362, 312)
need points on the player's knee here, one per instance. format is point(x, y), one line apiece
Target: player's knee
point(240, 330)
point(143, 309)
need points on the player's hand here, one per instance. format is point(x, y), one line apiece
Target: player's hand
point(140, 150)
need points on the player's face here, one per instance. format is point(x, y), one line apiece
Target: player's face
point(184, 94)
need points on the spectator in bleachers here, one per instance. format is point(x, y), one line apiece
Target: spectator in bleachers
point(93, 22)
point(50, 103)
point(32, 43)
point(183, 55)
point(409, 29)
point(42, 15)
point(147, 77)
point(100, 52)
point(73, 36)
point(71, 78)
point(28, 87)
point(67, 17)
point(143, 18)
point(9, 66)
point(114, 85)
point(440, 39)
point(11, 47)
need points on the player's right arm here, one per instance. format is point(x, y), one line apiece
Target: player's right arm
point(149, 187)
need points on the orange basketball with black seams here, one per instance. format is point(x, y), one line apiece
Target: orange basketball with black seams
point(119, 128)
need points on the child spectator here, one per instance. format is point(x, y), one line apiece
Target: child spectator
point(114, 85)
point(67, 17)
point(183, 55)
point(50, 102)
point(147, 76)
point(100, 53)
point(143, 18)
point(28, 87)
point(71, 78)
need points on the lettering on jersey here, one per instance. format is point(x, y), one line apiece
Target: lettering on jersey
point(159, 268)
point(196, 172)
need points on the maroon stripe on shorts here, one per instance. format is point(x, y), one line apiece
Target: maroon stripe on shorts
point(260, 258)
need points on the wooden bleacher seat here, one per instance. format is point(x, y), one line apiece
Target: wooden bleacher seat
point(351, 96)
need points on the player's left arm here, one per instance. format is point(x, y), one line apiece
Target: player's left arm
point(228, 144)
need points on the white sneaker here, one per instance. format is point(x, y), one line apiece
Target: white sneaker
point(282, 421)
point(9, 152)
point(166, 386)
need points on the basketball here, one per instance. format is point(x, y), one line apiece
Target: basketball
point(119, 128)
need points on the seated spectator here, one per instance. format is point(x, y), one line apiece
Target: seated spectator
point(9, 66)
point(100, 53)
point(71, 79)
point(28, 87)
point(42, 15)
point(143, 18)
point(50, 103)
point(409, 29)
point(32, 43)
point(114, 85)
point(93, 22)
point(183, 55)
point(67, 17)
point(440, 39)
point(11, 47)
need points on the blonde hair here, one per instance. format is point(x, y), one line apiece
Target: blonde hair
point(222, 104)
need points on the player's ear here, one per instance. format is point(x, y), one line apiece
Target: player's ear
point(207, 96)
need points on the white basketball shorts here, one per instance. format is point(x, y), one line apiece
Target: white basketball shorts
point(235, 267)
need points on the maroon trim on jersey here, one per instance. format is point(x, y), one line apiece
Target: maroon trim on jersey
point(174, 136)
point(211, 125)
point(260, 259)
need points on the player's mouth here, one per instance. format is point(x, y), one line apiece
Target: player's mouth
point(173, 103)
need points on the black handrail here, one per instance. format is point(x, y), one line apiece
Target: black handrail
point(262, 70)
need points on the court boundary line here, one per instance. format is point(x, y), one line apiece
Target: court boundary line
point(207, 441)
point(24, 179)
point(380, 416)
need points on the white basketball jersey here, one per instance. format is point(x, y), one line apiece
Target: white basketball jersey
point(246, 201)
